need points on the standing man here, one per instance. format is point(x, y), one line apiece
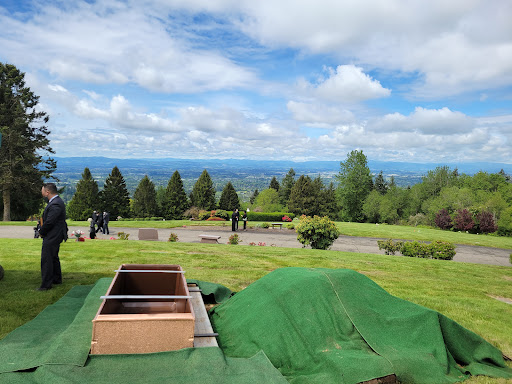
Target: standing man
point(106, 219)
point(53, 231)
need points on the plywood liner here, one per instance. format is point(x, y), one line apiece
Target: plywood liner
point(144, 325)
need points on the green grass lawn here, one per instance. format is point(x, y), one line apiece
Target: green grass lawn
point(460, 291)
point(349, 229)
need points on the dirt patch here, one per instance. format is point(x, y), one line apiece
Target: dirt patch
point(507, 278)
point(503, 299)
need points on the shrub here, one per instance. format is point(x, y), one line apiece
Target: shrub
point(265, 225)
point(222, 214)
point(289, 225)
point(234, 239)
point(286, 218)
point(173, 237)
point(268, 216)
point(215, 218)
point(416, 249)
point(389, 246)
point(442, 250)
point(487, 223)
point(123, 236)
point(319, 232)
point(191, 213)
point(204, 215)
point(252, 243)
point(156, 219)
point(418, 219)
point(464, 220)
point(443, 219)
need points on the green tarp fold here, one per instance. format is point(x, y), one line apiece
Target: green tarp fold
point(324, 325)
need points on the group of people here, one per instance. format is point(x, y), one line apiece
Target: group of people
point(235, 217)
point(99, 222)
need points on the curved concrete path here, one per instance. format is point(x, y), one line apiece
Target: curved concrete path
point(281, 238)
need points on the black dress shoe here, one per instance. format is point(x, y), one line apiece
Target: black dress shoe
point(43, 289)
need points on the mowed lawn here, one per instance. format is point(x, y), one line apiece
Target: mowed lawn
point(464, 292)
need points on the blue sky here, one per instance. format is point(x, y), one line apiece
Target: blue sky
point(413, 81)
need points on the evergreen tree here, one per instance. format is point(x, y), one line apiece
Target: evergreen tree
point(24, 141)
point(328, 198)
point(355, 184)
point(203, 193)
point(274, 184)
point(175, 202)
point(380, 184)
point(286, 186)
point(302, 197)
point(229, 199)
point(254, 196)
point(85, 200)
point(144, 199)
point(115, 198)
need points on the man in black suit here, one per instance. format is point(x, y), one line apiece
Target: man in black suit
point(53, 231)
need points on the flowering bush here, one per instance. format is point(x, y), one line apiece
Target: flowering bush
point(252, 243)
point(261, 244)
point(122, 235)
point(234, 239)
point(286, 218)
point(173, 237)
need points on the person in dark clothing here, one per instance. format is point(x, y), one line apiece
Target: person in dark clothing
point(94, 217)
point(234, 220)
point(244, 219)
point(106, 219)
point(53, 231)
point(100, 222)
point(92, 228)
point(237, 218)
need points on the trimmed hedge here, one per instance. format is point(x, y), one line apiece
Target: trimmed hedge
point(268, 216)
point(438, 249)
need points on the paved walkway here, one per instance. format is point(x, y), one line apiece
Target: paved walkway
point(281, 238)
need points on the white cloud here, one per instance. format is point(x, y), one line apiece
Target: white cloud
point(346, 84)
point(425, 121)
point(115, 42)
point(319, 114)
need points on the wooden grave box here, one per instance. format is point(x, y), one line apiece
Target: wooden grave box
point(147, 308)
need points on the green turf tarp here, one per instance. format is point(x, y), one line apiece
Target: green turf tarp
point(310, 325)
point(55, 348)
point(338, 326)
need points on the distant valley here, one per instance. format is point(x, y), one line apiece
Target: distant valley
point(245, 175)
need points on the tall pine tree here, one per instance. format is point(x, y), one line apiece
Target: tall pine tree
point(85, 200)
point(274, 184)
point(203, 193)
point(144, 199)
point(380, 184)
point(24, 141)
point(286, 187)
point(175, 199)
point(302, 197)
point(115, 198)
point(229, 199)
point(255, 194)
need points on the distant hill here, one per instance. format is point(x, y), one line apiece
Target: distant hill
point(246, 175)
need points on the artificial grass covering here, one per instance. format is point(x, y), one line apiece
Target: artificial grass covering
point(315, 326)
point(336, 325)
point(461, 291)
